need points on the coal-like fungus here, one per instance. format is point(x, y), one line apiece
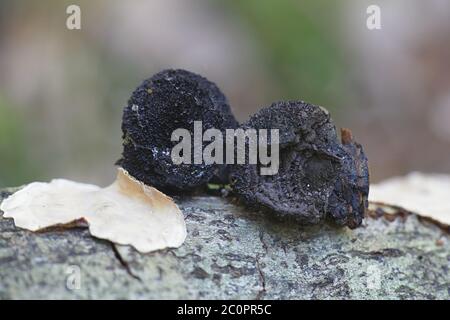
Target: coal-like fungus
point(167, 101)
point(319, 176)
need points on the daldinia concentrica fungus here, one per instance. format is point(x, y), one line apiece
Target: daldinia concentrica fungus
point(319, 177)
point(169, 100)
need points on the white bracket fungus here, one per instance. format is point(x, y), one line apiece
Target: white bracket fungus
point(426, 195)
point(127, 212)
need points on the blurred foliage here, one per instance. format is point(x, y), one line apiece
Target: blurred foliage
point(14, 165)
point(299, 44)
point(68, 123)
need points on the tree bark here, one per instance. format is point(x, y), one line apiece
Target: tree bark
point(231, 253)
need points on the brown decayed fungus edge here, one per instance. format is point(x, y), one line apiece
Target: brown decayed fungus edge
point(127, 212)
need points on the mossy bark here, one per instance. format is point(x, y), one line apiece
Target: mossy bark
point(231, 253)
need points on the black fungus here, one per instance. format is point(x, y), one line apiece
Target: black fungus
point(319, 178)
point(169, 100)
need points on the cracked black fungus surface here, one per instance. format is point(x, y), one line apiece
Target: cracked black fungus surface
point(167, 101)
point(319, 176)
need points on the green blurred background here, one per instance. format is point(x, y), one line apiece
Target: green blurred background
point(62, 91)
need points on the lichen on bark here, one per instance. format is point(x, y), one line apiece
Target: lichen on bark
point(234, 253)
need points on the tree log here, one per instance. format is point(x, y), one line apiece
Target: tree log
point(232, 253)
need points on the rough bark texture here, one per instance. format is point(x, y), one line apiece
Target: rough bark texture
point(231, 253)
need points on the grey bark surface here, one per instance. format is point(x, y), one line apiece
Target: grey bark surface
point(231, 253)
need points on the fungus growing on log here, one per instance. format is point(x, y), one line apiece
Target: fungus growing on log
point(424, 194)
point(319, 176)
point(169, 100)
point(127, 212)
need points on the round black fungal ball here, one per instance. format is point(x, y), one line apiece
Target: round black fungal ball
point(319, 177)
point(169, 100)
